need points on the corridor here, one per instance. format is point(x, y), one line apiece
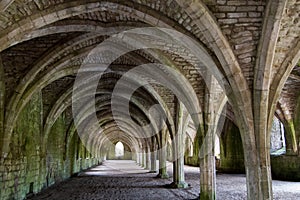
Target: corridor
point(124, 179)
point(182, 81)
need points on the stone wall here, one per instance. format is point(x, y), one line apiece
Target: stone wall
point(241, 23)
point(27, 170)
point(112, 156)
point(286, 168)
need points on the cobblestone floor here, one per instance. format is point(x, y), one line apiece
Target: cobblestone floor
point(126, 180)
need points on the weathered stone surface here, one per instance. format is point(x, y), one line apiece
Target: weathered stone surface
point(61, 33)
point(285, 168)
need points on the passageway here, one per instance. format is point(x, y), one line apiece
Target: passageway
point(208, 83)
point(124, 179)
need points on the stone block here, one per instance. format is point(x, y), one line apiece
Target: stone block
point(245, 60)
point(246, 8)
point(236, 3)
point(220, 15)
point(241, 40)
point(221, 2)
point(249, 20)
point(256, 2)
point(241, 34)
point(254, 14)
point(237, 15)
point(226, 8)
point(228, 21)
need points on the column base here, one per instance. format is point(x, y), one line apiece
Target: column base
point(178, 185)
point(207, 196)
point(163, 176)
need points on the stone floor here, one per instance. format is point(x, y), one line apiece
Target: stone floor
point(127, 180)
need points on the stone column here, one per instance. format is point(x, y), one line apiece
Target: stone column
point(291, 138)
point(141, 158)
point(2, 106)
point(144, 159)
point(137, 158)
point(178, 151)
point(148, 161)
point(178, 165)
point(297, 123)
point(214, 102)
point(163, 158)
point(153, 162)
point(207, 167)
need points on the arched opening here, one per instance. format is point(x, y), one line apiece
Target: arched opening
point(189, 147)
point(277, 144)
point(119, 150)
point(217, 147)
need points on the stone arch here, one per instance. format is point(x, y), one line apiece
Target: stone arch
point(119, 149)
point(263, 69)
point(102, 142)
point(45, 79)
point(280, 79)
point(109, 117)
point(238, 92)
point(2, 99)
point(190, 139)
point(220, 45)
point(89, 27)
point(286, 118)
point(61, 107)
point(111, 139)
point(5, 4)
point(36, 69)
point(66, 10)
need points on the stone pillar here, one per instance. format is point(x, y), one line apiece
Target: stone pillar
point(144, 159)
point(148, 160)
point(153, 162)
point(178, 164)
point(207, 167)
point(141, 159)
point(213, 101)
point(178, 151)
point(2, 106)
point(137, 158)
point(297, 122)
point(290, 138)
point(163, 159)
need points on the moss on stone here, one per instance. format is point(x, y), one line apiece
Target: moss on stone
point(232, 153)
point(285, 168)
point(27, 169)
point(207, 196)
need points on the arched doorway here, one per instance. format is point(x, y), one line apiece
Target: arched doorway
point(119, 150)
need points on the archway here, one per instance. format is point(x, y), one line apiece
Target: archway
point(119, 150)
